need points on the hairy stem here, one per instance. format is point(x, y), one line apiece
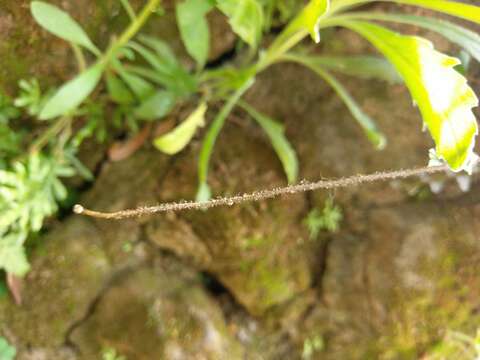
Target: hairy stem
point(260, 195)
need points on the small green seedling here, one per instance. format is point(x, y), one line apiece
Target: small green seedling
point(111, 354)
point(311, 346)
point(327, 219)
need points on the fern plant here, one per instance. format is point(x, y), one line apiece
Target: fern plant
point(141, 80)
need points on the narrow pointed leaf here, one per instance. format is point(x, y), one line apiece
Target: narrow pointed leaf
point(281, 145)
point(176, 140)
point(61, 24)
point(73, 93)
point(365, 121)
point(214, 130)
point(441, 93)
point(365, 67)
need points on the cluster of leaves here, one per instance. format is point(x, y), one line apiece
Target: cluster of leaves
point(327, 219)
point(140, 80)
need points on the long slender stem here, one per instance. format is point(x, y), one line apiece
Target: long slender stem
point(129, 10)
point(132, 30)
point(260, 195)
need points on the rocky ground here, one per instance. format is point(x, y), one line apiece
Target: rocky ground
point(249, 282)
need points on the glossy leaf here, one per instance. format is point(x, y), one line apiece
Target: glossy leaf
point(73, 93)
point(245, 17)
point(441, 93)
point(194, 29)
point(61, 24)
point(176, 140)
point(156, 106)
point(365, 121)
point(281, 145)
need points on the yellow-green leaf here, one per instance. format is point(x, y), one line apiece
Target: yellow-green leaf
point(175, 140)
point(465, 11)
point(246, 18)
point(309, 19)
point(441, 93)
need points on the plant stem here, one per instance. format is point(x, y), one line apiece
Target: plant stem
point(77, 51)
point(132, 30)
point(129, 10)
point(49, 133)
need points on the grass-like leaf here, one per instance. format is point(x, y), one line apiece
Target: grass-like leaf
point(281, 145)
point(442, 94)
point(362, 66)
point(61, 24)
point(211, 137)
point(365, 121)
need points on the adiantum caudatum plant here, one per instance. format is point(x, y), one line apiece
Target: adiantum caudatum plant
point(142, 80)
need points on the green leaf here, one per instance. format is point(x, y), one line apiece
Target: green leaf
point(308, 20)
point(161, 48)
point(73, 93)
point(454, 8)
point(140, 87)
point(442, 94)
point(212, 134)
point(12, 254)
point(245, 17)
point(156, 106)
point(281, 145)
point(7, 352)
point(365, 121)
point(118, 90)
point(59, 23)
point(194, 29)
point(366, 67)
point(175, 140)
point(459, 35)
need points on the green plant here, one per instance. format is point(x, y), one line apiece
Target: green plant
point(328, 219)
point(139, 79)
point(456, 345)
point(7, 352)
point(111, 354)
point(311, 346)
